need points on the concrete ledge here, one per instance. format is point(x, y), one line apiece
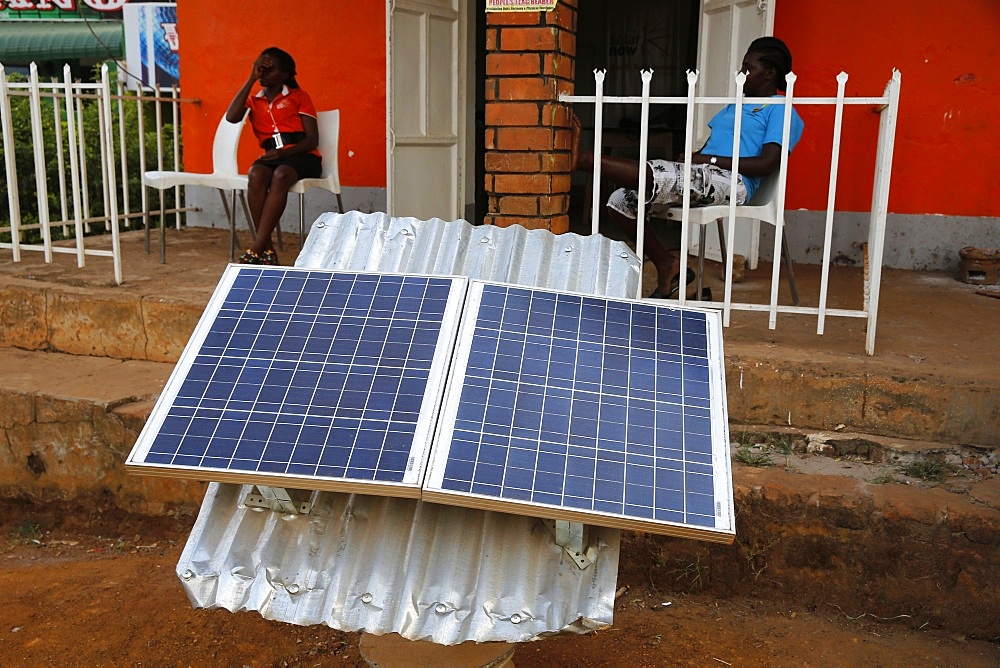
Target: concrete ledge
point(934, 376)
point(80, 321)
point(828, 391)
point(67, 424)
point(816, 390)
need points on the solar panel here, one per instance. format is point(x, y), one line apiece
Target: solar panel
point(566, 406)
point(308, 378)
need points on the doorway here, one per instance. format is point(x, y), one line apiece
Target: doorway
point(624, 38)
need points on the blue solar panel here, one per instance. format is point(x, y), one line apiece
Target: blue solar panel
point(305, 375)
point(600, 410)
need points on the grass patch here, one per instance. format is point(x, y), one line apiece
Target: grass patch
point(928, 470)
point(27, 531)
point(689, 571)
point(884, 479)
point(750, 457)
point(781, 443)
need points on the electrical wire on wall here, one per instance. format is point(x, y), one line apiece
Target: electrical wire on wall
point(119, 63)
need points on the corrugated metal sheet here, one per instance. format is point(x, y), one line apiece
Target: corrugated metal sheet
point(425, 571)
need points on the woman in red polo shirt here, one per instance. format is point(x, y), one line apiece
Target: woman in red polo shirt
point(283, 119)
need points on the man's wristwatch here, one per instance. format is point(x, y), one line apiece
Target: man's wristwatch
point(714, 159)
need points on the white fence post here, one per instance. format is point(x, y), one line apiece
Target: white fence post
point(60, 156)
point(880, 203)
point(831, 198)
point(692, 80)
point(779, 224)
point(74, 165)
point(595, 217)
point(144, 199)
point(123, 154)
point(10, 166)
point(38, 145)
point(176, 116)
point(741, 78)
point(640, 221)
point(82, 145)
point(108, 153)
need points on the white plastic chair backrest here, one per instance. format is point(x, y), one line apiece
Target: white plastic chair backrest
point(765, 193)
point(224, 146)
point(328, 123)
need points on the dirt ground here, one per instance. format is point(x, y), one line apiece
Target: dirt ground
point(87, 586)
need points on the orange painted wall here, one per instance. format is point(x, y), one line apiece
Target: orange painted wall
point(948, 132)
point(948, 54)
point(339, 51)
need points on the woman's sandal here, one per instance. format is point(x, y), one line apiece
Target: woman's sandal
point(268, 257)
point(249, 257)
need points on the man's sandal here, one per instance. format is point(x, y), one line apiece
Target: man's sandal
point(674, 286)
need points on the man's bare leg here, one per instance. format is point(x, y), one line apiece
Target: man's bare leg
point(625, 172)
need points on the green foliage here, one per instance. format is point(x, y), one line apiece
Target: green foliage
point(750, 457)
point(24, 147)
point(928, 470)
point(781, 443)
point(27, 530)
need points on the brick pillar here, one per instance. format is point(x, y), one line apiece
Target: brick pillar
point(529, 63)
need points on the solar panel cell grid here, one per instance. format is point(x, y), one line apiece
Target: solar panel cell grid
point(583, 403)
point(310, 373)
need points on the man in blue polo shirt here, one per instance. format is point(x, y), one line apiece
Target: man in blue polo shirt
point(766, 63)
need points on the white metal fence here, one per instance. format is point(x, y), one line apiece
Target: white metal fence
point(82, 185)
point(887, 105)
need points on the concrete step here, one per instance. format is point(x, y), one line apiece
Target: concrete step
point(889, 395)
point(121, 324)
point(67, 423)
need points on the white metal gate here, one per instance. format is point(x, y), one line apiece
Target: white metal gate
point(887, 104)
point(63, 167)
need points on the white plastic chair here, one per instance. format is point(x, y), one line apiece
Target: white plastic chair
point(225, 176)
point(329, 139)
point(762, 206)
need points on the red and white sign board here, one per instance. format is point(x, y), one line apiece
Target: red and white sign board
point(65, 5)
point(520, 5)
